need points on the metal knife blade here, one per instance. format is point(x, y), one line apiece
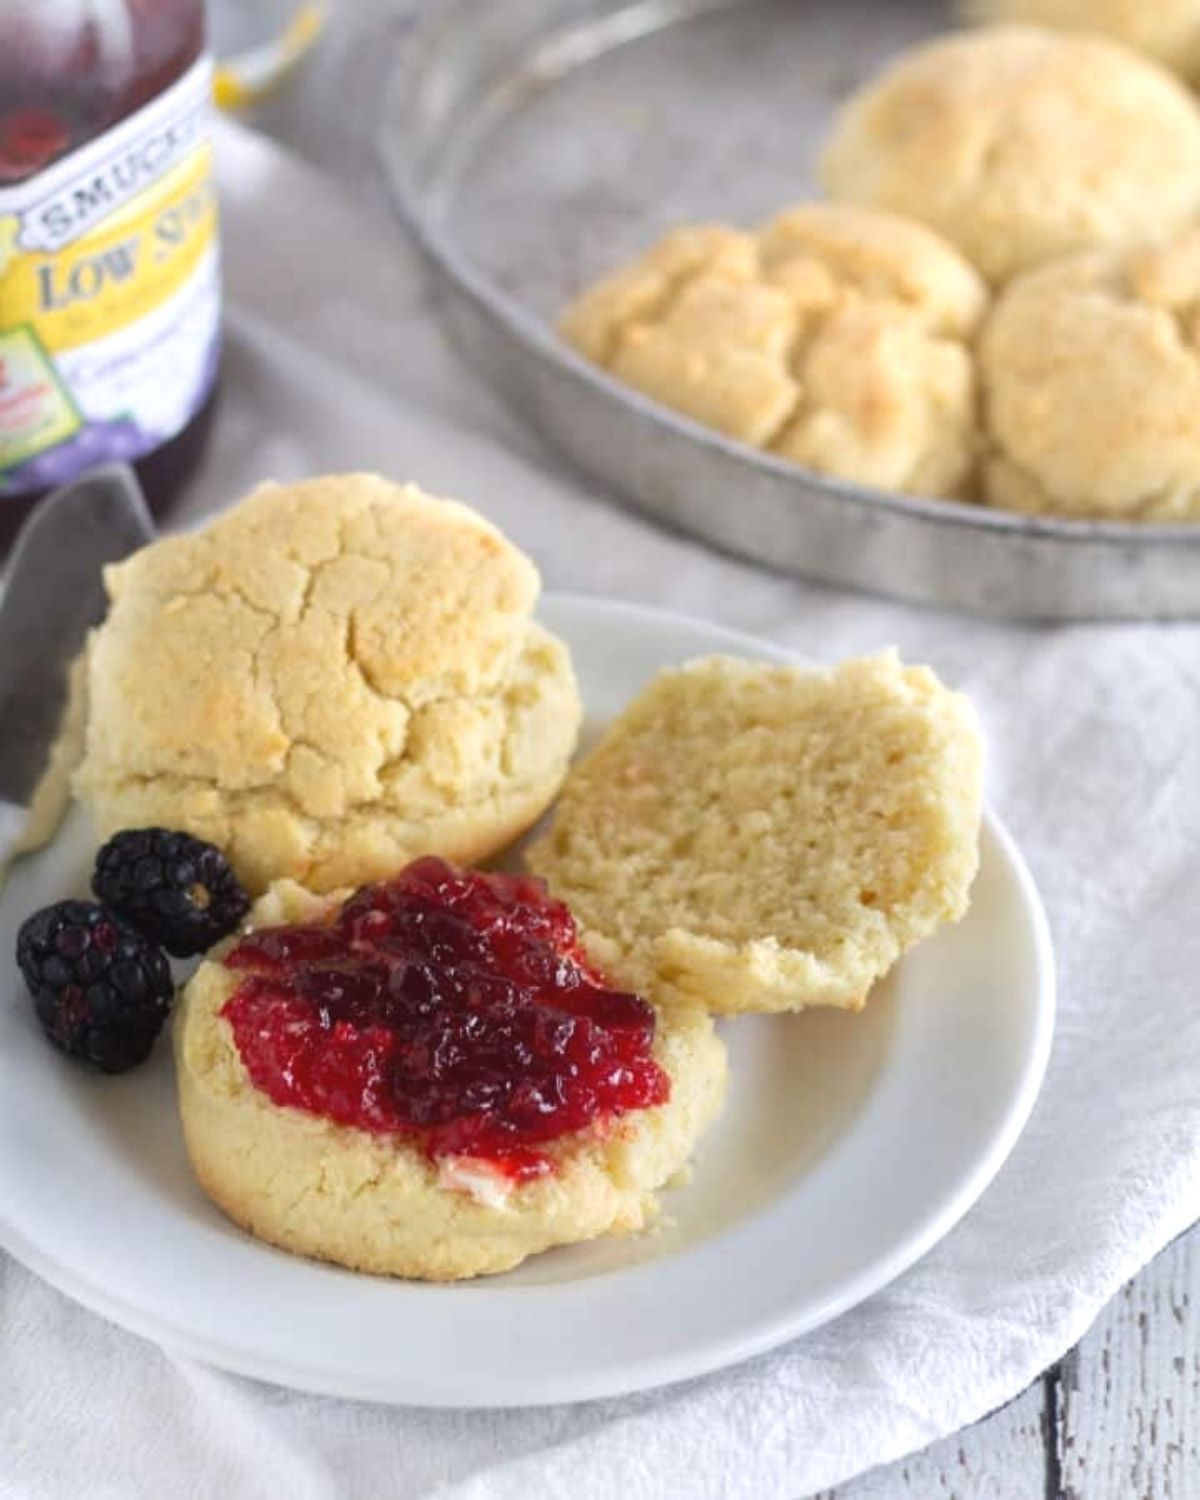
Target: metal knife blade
point(53, 595)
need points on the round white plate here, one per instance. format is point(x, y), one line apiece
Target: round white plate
point(849, 1145)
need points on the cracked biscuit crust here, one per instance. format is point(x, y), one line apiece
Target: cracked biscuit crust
point(1019, 144)
point(334, 677)
point(835, 337)
point(763, 838)
point(1091, 372)
point(376, 1204)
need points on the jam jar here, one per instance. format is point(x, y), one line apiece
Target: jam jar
point(109, 274)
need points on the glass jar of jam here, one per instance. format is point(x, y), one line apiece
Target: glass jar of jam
point(109, 289)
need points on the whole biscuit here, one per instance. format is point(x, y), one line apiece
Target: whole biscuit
point(766, 838)
point(376, 1203)
point(836, 337)
point(1020, 144)
point(1091, 373)
point(334, 677)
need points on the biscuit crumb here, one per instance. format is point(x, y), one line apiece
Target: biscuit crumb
point(800, 829)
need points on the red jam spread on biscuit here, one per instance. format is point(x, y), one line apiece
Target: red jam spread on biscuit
point(452, 1007)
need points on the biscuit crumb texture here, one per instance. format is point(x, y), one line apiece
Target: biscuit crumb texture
point(376, 1203)
point(1091, 372)
point(1168, 30)
point(766, 838)
point(333, 678)
point(835, 337)
point(1021, 144)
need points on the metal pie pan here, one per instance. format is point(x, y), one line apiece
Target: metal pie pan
point(533, 144)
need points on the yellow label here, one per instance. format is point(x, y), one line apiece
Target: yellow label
point(121, 271)
point(109, 293)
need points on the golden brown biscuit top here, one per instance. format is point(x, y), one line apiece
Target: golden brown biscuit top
point(1091, 373)
point(300, 633)
point(1019, 143)
point(835, 336)
point(824, 252)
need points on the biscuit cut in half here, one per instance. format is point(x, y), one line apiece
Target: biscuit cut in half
point(766, 838)
point(1020, 144)
point(332, 678)
point(378, 1203)
point(1168, 30)
point(836, 337)
point(1091, 376)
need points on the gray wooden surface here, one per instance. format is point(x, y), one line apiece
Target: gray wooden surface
point(1119, 1419)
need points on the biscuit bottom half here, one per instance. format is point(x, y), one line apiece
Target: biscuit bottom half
point(377, 1203)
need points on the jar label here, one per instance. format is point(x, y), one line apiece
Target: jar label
point(109, 294)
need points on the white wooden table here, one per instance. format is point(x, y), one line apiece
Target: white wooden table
point(1118, 1419)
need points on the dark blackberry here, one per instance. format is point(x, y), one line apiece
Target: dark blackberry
point(177, 889)
point(101, 989)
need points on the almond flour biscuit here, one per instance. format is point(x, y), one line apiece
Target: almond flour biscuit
point(1091, 368)
point(1168, 30)
point(376, 1203)
point(332, 678)
point(1020, 144)
point(836, 337)
point(765, 838)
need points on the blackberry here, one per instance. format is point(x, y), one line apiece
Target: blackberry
point(101, 990)
point(177, 889)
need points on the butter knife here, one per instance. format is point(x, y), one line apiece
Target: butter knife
point(53, 595)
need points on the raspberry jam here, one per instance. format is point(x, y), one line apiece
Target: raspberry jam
point(455, 1008)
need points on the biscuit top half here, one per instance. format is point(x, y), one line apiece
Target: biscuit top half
point(312, 620)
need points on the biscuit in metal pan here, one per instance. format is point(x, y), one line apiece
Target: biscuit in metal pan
point(1020, 144)
point(1091, 377)
point(837, 337)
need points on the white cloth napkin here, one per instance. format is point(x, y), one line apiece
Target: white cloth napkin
point(333, 361)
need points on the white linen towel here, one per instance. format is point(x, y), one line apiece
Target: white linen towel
point(334, 361)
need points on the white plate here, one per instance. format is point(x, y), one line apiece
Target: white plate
point(882, 1129)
